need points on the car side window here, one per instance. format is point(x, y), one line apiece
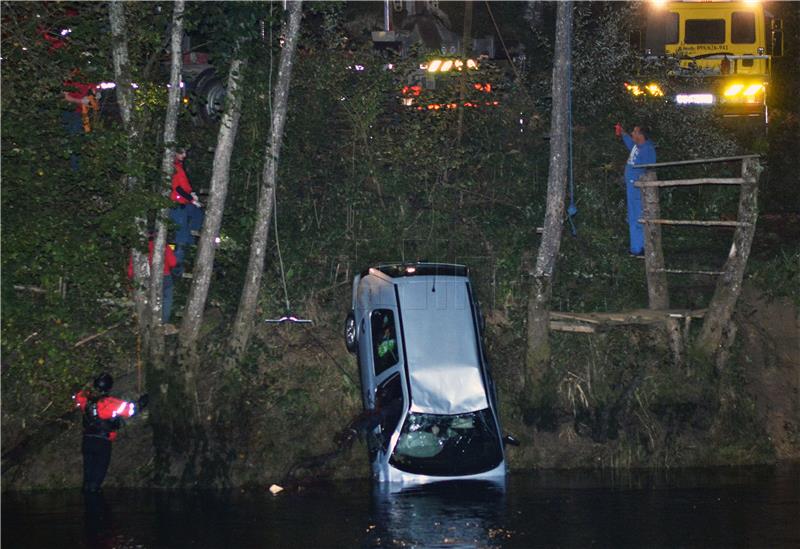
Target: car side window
point(384, 340)
point(389, 404)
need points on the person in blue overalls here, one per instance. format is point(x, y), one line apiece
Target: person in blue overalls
point(641, 152)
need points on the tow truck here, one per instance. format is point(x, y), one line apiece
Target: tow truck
point(709, 53)
point(433, 85)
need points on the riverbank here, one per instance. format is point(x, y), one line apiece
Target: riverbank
point(617, 408)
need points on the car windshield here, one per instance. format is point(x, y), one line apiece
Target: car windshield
point(453, 445)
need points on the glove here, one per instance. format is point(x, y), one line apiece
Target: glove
point(194, 195)
point(197, 203)
point(142, 402)
point(618, 129)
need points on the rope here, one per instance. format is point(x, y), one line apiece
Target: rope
point(275, 190)
point(500, 35)
point(325, 350)
point(572, 210)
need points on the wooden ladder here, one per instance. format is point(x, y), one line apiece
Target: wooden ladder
point(716, 317)
point(731, 274)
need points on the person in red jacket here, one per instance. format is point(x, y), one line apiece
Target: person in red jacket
point(187, 213)
point(102, 417)
point(82, 99)
point(170, 264)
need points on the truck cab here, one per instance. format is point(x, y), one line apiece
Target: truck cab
point(715, 54)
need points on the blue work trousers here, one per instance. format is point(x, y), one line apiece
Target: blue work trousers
point(73, 124)
point(635, 228)
point(188, 218)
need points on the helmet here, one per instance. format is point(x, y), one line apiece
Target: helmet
point(104, 382)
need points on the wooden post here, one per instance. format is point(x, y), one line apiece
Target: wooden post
point(716, 324)
point(657, 291)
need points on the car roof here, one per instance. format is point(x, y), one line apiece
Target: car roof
point(442, 355)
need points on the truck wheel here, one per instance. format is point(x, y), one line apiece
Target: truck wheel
point(350, 340)
point(209, 93)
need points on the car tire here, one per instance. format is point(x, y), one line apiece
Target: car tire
point(350, 340)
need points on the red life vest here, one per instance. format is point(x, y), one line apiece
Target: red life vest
point(102, 415)
point(179, 179)
point(170, 261)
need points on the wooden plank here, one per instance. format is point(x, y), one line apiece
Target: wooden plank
point(695, 222)
point(657, 287)
point(583, 317)
point(559, 326)
point(636, 316)
point(685, 182)
point(25, 288)
point(715, 330)
point(697, 161)
point(682, 271)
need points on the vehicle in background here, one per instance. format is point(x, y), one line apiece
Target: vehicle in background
point(715, 54)
point(426, 384)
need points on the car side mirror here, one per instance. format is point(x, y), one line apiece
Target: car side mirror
point(510, 440)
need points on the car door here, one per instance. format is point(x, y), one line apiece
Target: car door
point(389, 407)
point(365, 363)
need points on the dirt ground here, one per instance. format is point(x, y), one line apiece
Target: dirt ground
point(770, 336)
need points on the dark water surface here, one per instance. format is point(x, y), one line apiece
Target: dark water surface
point(741, 507)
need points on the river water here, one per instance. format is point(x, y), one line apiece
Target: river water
point(731, 507)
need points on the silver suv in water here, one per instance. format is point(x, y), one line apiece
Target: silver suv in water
point(417, 332)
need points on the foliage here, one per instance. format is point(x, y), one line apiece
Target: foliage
point(362, 179)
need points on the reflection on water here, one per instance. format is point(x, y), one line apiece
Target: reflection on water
point(447, 514)
point(752, 507)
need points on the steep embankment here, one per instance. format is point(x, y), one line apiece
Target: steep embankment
point(305, 392)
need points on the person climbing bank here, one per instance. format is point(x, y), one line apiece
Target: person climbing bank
point(641, 152)
point(171, 266)
point(102, 417)
point(187, 214)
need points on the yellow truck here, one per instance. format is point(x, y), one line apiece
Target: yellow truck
point(711, 53)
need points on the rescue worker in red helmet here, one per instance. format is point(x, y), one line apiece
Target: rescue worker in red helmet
point(102, 417)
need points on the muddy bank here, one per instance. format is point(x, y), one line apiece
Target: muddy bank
point(615, 406)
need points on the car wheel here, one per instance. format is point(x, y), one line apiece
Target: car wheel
point(350, 340)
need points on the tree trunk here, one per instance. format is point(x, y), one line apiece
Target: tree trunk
point(124, 92)
point(170, 126)
point(717, 322)
point(204, 263)
point(538, 347)
point(122, 74)
point(245, 314)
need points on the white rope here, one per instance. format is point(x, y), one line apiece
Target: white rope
point(275, 190)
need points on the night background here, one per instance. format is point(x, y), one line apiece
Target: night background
point(380, 159)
